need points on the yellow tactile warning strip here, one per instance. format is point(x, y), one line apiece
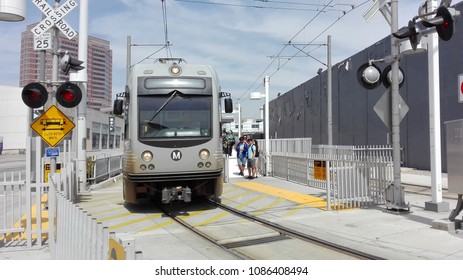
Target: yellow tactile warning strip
point(303, 199)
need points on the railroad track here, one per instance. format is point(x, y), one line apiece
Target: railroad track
point(270, 241)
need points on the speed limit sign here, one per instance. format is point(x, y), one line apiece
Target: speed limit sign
point(43, 42)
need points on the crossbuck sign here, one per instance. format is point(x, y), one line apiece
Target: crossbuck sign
point(54, 18)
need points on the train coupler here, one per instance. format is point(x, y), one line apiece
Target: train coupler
point(176, 193)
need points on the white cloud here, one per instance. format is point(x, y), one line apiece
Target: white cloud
point(237, 40)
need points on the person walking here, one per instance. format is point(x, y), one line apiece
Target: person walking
point(230, 138)
point(251, 159)
point(241, 152)
point(256, 161)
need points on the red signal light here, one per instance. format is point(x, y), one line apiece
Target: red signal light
point(68, 95)
point(34, 95)
point(445, 29)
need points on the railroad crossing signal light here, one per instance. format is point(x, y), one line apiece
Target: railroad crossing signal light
point(369, 76)
point(411, 32)
point(68, 95)
point(443, 21)
point(228, 105)
point(67, 63)
point(34, 95)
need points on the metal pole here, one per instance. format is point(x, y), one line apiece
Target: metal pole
point(129, 59)
point(398, 192)
point(239, 120)
point(267, 126)
point(329, 90)
point(54, 78)
point(81, 78)
point(434, 120)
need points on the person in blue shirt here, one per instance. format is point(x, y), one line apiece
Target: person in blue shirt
point(251, 158)
point(241, 153)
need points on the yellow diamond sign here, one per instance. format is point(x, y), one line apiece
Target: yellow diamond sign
point(52, 126)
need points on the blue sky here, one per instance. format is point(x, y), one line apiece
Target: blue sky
point(240, 38)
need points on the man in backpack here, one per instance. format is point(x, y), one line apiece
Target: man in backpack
point(251, 158)
point(241, 152)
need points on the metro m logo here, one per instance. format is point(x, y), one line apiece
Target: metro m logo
point(176, 155)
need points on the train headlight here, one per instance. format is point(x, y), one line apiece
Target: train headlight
point(204, 154)
point(175, 70)
point(147, 156)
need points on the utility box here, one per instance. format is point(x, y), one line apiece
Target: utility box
point(454, 133)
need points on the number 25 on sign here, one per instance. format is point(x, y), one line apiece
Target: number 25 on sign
point(43, 42)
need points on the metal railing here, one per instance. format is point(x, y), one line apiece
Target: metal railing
point(351, 176)
point(101, 167)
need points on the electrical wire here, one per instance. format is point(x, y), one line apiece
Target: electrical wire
point(252, 6)
point(274, 58)
point(166, 37)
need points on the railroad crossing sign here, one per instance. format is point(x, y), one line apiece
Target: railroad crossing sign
point(383, 109)
point(54, 18)
point(52, 126)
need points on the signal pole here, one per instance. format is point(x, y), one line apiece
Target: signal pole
point(81, 77)
point(54, 78)
point(398, 201)
point(436, 205)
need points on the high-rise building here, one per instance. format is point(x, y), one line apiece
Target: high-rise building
point(99, 66)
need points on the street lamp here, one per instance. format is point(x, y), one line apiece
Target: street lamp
point(258, 96)
point(12, 10)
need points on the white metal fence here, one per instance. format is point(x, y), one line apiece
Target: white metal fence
point(358, 175)
point(33, 215)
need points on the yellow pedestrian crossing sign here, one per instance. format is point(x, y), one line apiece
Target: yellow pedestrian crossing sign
point(52, 126)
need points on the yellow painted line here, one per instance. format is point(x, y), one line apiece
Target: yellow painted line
point(230, 190)
point(170, 222)
point(105, 211)
point(106, 198)
point(158, 226)
point(146, 218)
point(99, 205)
point(293, 211)
point(270, 206)
point(304, 199)
point(114, 217)
point(222, 215)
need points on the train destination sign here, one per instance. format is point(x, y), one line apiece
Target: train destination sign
point(52, 126)
point(54, 18)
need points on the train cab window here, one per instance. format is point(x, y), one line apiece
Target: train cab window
point(183, 116)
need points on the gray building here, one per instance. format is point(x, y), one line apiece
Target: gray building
point(99, 65)
point(302, 111)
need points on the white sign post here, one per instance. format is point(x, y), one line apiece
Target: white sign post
point(54, 18)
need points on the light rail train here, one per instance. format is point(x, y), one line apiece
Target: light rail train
point(172, 145)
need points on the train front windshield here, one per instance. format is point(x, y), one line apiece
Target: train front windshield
point(174, 115)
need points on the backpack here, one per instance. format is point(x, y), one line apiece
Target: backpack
point(257, 149)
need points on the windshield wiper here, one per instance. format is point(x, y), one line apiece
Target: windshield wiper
point(174, 93)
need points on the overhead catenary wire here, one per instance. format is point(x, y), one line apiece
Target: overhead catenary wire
point(258, 6)
point(166, 34)
point(275, 57)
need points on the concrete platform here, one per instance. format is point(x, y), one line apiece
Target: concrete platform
point(417, 234)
